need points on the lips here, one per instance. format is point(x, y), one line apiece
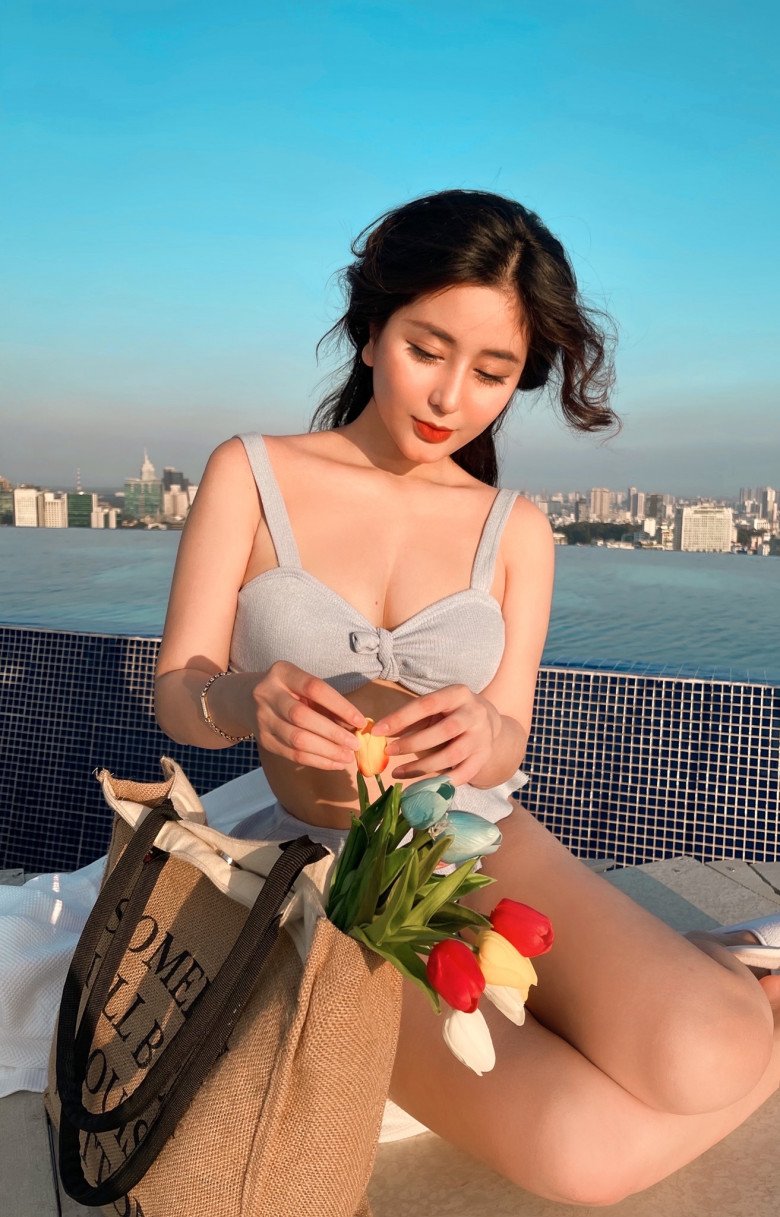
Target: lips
point(433, 435)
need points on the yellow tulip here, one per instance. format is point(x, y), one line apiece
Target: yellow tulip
point(370, 755)
point(502, 964)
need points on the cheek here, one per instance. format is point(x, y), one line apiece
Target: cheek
point(396, 374)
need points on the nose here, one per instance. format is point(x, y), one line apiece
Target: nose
point(446, 393)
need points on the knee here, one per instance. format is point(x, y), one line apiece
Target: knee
point(705, 1057)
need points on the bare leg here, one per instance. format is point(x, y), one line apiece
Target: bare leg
point(639, 1052)
point(547, 1118)
point(683, 1029)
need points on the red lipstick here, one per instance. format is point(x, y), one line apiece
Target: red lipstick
point(434, 435)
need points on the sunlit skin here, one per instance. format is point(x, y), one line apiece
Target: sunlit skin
point(638, 1051)
point(453, 384)
point(448, 384)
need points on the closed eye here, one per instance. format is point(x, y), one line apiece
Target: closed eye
point(426, 357)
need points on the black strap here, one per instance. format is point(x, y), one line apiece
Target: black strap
point(180, 1069)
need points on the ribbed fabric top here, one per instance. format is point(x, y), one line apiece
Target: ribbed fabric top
point(286, 613)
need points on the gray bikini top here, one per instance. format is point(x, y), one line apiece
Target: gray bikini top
point(286, 613)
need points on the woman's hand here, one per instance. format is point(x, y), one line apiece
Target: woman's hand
point(455, 728)
point(301, 718)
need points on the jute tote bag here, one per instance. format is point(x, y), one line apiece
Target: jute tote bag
point(222, 1050)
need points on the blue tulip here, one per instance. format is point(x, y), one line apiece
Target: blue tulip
point(424, 803)
point(474, 836)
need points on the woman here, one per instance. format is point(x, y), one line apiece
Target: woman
point(370, 569)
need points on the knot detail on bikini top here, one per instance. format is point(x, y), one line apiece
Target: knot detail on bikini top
point(377, 642)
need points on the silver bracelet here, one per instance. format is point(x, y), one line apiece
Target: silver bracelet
point(235, 739)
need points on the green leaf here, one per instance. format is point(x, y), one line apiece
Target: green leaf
point(472, 882)
point(362, 792)
point(402, 829)
point(409, 964)
point(394, 862)
point(432, 856)
point(447, 888)
point(375, 812)
point(371, 883)
point(422, 938)
point(399, 901)
point(347, 897)
point(456, 915)
point(408, 895)
point(349, 859)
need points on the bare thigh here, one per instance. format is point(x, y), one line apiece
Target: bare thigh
point(670, 1025)
point(629, 1022)
point(529, 1119)
point(545, 1117)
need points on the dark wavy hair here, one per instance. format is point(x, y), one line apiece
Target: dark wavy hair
point(475, 237)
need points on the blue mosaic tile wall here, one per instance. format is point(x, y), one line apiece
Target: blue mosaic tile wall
point(628, 765)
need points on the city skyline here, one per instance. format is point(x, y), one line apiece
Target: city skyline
point(148, 468)
point(182, 282)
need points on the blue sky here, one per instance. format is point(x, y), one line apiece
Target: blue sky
point(180, 182)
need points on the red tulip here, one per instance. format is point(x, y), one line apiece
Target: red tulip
point(453, 971)
point(528, 930)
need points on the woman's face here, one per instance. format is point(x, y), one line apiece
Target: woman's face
point(451, 360)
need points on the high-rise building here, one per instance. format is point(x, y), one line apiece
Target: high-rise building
point(172, 477)
point(6, 506)
point(659, 506)
point(704, 528)
point(26, 506)
point(175, 502)
point(600, 503)
point(103, 517)
point(4, 483)
point(143, 495)
point(52, 509)
point(768, 503)
point(81, 504)
point(636, 504)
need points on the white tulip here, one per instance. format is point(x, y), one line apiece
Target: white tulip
point(508, 1000)
point(468, 1038)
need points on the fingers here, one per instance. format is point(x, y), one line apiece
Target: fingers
point(305, 720)
point(430, 708)
point(325, 697)
point(418, 741)
point(306, 732)
point(458, 763)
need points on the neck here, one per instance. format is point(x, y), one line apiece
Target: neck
point(378, 448)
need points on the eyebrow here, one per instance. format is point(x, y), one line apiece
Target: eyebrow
point(445, 337)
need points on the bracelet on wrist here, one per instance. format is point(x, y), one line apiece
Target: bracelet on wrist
point(235, 739)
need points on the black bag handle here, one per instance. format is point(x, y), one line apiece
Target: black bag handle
point(182, 1066)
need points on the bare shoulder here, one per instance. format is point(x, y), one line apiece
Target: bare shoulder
point(311, 443)
point(528, 523)
point(530, 544)
point(228, 473)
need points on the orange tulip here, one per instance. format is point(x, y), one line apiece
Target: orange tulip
point(370, 755)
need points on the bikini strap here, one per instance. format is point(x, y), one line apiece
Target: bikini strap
point(276, 516)
point(487, 550)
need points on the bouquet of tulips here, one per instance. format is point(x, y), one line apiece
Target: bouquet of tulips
point(394, 889)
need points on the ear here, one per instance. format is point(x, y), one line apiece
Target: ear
point(367, 354)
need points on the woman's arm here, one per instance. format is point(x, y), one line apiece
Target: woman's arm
point(529, 551)
point(291, 713)
point(214, 550)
